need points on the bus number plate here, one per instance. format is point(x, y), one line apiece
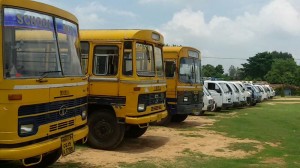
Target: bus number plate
point(67, 144)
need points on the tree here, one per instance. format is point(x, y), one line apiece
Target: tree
point(208, 70)
point(284, 71)
point(259, 65)
point(219, 69)
point(232, 72)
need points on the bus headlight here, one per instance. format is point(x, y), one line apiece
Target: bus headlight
point(185, 99)
point(141, 107)
point(26, 129)
point(83, 114)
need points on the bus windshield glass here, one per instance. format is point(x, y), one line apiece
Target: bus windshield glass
point(189, 70)
point(31, 46)
point(145, 60)
point(159, 61)
point(69, 43)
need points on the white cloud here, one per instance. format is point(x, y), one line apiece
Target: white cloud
point(155, 1)
point(95, 15)
point(242, 36)
point(89, 15)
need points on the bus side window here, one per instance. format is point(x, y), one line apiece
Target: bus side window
point(106, 59)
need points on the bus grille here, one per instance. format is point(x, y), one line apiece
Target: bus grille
point(52, 106)
point(61, 125)
point(152, 99)
point(41, 114)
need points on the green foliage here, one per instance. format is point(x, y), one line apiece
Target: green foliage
point(219, 69)
point(211, 71)
point(283, 71)
point(259, 65)
point(208, 70)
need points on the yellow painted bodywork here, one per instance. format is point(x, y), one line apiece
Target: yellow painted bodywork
point(34, 92)
point(120, 85)
point(174, 85)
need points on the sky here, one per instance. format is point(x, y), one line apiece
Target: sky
point(227, 32)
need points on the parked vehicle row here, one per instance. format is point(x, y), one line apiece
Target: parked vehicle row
point(125, 81)
point(228, 94)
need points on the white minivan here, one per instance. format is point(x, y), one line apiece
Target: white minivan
point(236, 94)
point(264, 95)
point(220, 92)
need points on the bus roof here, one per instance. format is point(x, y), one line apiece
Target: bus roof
point(120, 35)
point(177, 49)
point(171, 51)
point(39, 7)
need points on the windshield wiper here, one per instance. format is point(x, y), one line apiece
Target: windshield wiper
point(190, 81)
point(45, 74)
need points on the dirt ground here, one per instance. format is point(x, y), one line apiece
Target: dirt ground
point(166, 143)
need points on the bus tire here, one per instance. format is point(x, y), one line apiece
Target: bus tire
point(104, 130)
point(179, 117)
point(134, 131)
point(163, 122)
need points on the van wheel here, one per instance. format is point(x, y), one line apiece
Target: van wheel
point(199, 113)
point(248, 102)
point(134, 131)
point(47, 160)
point(218, 109)
point(105, 132)
point(179, 117)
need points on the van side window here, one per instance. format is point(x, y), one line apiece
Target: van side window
point(169, 69)
point(106, 59)
point(211, 86)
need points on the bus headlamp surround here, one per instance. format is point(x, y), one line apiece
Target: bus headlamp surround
point(26, 129)
point(83, 114)
point(141, 107)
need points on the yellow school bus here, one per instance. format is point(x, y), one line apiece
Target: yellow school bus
point(184, 91)
point(127, 86)
point(43, 92)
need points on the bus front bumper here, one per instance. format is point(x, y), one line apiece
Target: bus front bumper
point(146, 119)
point(39, 148)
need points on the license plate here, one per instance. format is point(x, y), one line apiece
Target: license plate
point(195, 110)
point(67, 144)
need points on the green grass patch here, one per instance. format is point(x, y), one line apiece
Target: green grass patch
point(247, 147)
point(275, 126)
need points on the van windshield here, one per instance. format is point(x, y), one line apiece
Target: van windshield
point(224, 87)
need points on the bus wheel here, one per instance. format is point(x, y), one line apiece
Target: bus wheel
point(179, 117)
point(105, 132)
point(165, 121)
point(134, 131)
point(47, 160)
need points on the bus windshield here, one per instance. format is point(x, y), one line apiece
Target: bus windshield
point(159, 61)
point(31, 47)
point(189, 70)
point(145, 60)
